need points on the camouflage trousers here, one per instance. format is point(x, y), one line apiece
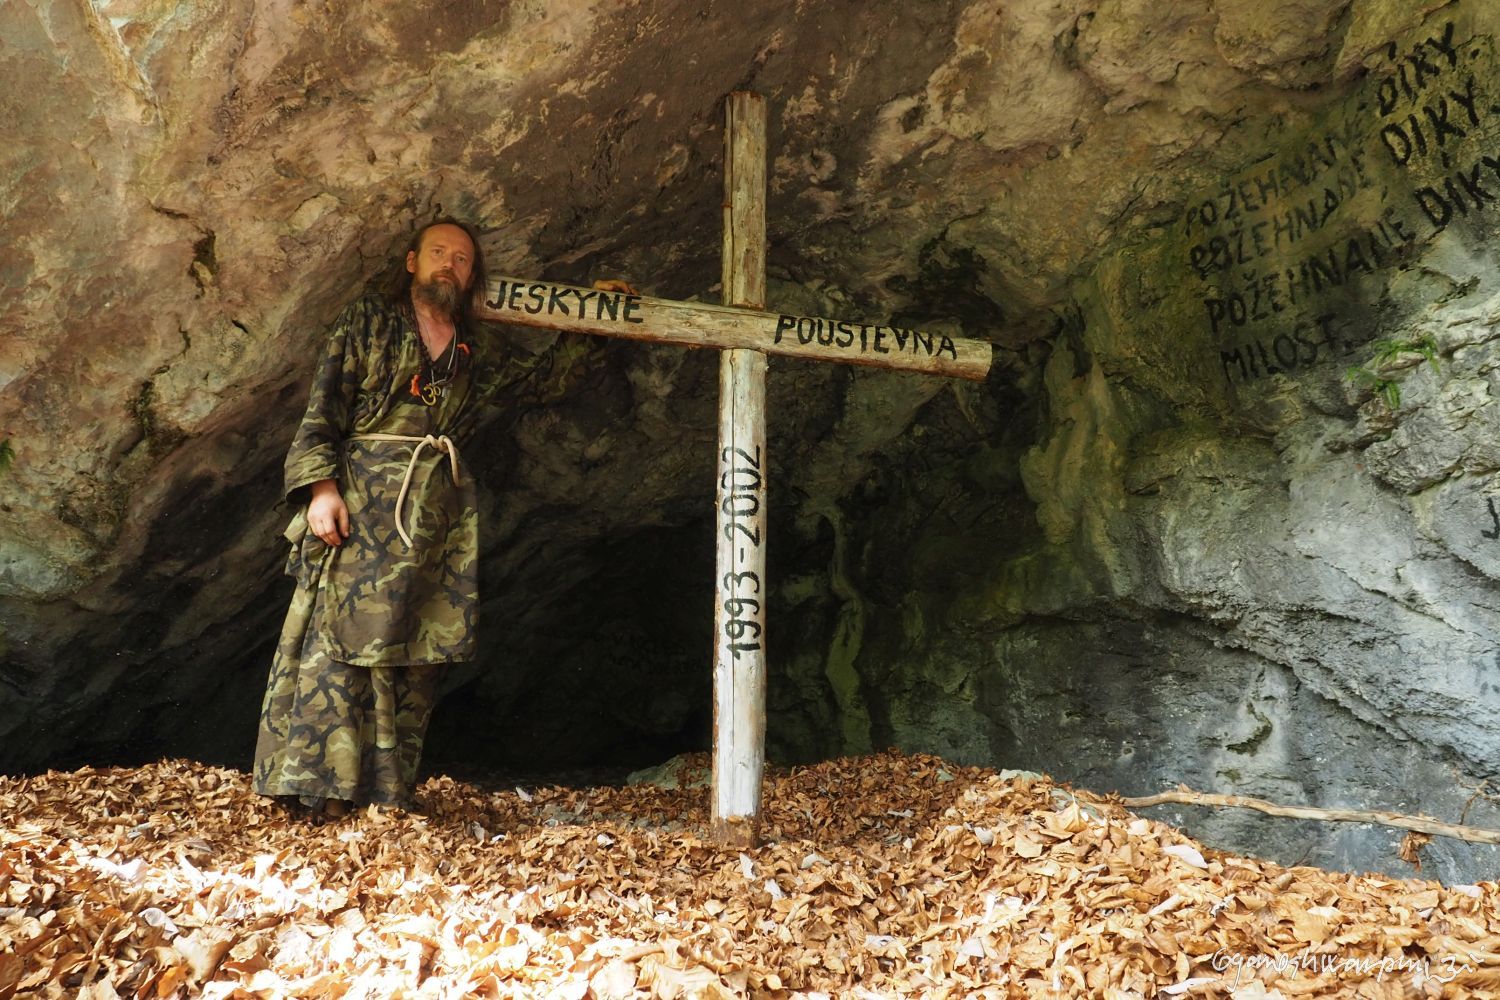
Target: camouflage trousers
point(332, 730)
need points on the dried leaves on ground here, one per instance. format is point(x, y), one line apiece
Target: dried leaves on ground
point(880, 876)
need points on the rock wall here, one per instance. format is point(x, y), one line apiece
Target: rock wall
point(1265, 475)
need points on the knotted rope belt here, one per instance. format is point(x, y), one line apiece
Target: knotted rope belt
point(441, 442)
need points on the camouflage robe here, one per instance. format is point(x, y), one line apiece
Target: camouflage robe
point(372, 621)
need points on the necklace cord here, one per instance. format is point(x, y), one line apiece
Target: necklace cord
point(431, 365)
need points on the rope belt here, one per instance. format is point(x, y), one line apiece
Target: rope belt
point(441, 442)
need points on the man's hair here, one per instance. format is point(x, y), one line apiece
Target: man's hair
point(398, 283)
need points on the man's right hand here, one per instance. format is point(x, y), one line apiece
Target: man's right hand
point(327, 517)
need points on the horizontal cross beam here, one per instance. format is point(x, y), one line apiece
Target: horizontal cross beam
point(694, 324)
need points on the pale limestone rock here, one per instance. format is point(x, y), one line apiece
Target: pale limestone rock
point(1287, 42)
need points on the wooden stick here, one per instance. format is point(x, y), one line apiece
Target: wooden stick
point(573, 309)
point(743, 264)
point(1421, 824)
point(739, 571)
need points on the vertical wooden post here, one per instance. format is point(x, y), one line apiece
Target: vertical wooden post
point(740, 584)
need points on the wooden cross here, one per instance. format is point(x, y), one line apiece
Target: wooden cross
point(746, 334)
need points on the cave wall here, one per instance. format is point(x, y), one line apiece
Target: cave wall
point(1136, 555)
point(1258, 571)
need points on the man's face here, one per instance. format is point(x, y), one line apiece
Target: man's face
point(442, 266)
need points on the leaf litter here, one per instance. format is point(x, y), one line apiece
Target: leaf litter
point(889, 875)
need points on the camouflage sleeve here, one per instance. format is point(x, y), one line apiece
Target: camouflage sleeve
point(314, 452)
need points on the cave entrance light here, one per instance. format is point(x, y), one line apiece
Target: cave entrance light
point(745, 334)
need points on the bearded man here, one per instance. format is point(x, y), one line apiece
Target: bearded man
point(385, 542)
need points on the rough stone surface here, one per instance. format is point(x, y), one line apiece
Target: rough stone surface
point(1136, 556)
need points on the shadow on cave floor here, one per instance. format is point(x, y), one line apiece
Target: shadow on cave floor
point(501, 777)
point(454, 750)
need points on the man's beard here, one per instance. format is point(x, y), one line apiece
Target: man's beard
point(442, 294)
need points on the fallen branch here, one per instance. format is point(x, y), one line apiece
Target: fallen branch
point(1421, 824)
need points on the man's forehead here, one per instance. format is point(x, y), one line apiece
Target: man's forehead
point(445, 235)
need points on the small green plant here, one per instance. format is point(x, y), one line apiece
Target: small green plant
point(1387, 352)
point(1385, 388)
point(7, 455)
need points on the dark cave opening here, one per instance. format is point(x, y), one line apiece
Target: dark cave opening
point(612, 677)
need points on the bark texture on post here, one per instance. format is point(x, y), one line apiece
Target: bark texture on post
point(740, 604)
